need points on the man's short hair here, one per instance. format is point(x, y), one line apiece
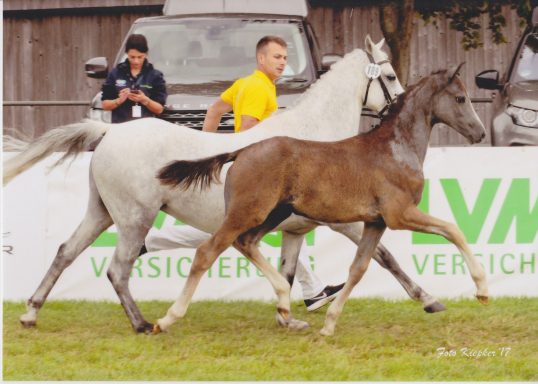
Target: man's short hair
point(137, 42)
point(264, 42)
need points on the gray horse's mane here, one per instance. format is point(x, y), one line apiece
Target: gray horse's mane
point(334, 76)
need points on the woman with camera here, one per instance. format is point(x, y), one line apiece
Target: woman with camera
point(134, 88)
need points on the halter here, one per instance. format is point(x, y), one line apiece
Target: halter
point(373, 71)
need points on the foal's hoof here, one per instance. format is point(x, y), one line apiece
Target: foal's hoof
point(156, 329)
point(483, 299)
point(27, 321)
point(326, 331)
point(294, 324)
point(434, 307)
point(146, 328)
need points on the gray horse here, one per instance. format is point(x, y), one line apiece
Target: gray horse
point(124, 190)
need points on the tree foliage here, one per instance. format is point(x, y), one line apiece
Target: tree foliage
point(464, 16)
point(395, 19)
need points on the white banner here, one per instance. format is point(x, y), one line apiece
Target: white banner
point(490, 193)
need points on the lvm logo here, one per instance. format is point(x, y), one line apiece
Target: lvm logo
point(274, 239)
point(516, 209)
point(503, 226)
point(174, 266)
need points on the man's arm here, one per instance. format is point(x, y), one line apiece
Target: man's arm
point(248, 122)
point(214, 114)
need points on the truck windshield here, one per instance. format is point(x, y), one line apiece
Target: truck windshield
point(527, 64)
point(208, 50)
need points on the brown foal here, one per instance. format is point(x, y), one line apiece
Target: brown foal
point(374, 177)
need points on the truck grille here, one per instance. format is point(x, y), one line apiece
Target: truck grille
point(195, 119)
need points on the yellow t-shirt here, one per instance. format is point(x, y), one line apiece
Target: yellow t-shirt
point(254, 95)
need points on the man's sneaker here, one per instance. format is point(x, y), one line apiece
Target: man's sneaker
point(324, 297)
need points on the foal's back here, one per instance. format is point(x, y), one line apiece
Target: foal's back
point(330, 182)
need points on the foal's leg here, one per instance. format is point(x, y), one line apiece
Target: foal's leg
point(96, 220)
point(416, 220)
point(382, 255)
point(370, 238)
point(280, 285)
point(205, 256)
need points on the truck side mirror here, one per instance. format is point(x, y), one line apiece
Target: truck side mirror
point(96, 68)
point(488, 79)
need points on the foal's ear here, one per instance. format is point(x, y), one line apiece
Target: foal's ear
point(453, 72)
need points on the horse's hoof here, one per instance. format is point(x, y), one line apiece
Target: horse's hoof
point(434, 307)
point(146, 328)
point(28, 324)
point(156, 330)
point(326, 332)
point(298, 325)
point(483, 299)
point(28, 321)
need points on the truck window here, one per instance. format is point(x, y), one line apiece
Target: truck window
point(196, 51)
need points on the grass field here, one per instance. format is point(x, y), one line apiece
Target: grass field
point(375, 340)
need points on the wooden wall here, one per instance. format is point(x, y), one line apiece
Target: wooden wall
point(45, 51)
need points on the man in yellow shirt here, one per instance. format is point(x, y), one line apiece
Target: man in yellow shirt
point(252, 99)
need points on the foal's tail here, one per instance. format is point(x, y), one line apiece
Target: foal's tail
point(71, 139)
point(195, 173)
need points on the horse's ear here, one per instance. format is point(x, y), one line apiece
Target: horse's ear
point(452, 73)
point(368, 43)
point(380, 44)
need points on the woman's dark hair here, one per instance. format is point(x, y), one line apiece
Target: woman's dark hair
point(137, 42)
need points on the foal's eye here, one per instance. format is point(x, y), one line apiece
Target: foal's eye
point(460, 99)
point(391, 77)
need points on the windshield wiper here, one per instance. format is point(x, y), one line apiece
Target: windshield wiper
point(292, 80)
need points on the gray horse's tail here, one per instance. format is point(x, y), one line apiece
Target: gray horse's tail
point(71, 139)
point(201, 172)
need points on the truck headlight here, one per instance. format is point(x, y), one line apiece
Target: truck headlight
point(522, 116)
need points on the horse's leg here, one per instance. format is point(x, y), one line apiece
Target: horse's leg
point(291, 246)
point(382, 255)
point(281, 286)
point(370, 238)
point(416, 220)
point(205, 256)
point(96, 220)
point(130, 238)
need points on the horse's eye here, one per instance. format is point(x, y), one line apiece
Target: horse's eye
point(460, 99)
point(391, 77)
